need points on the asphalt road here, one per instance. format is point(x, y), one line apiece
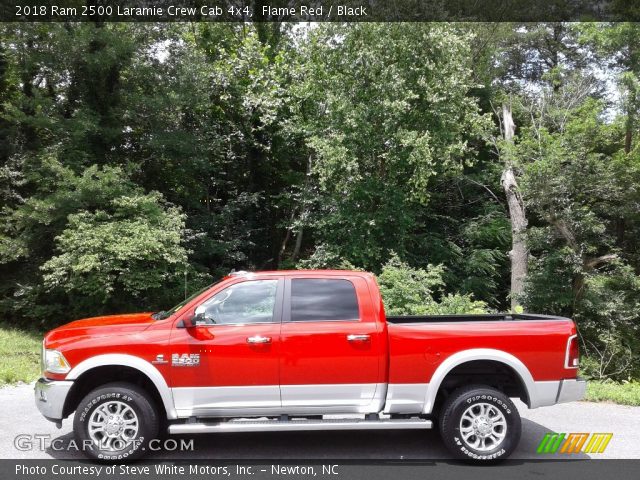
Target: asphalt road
point(22, 424)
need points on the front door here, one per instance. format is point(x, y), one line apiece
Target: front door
point(229, 362)
point(332, 351)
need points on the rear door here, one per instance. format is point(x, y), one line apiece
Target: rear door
point(331, 350)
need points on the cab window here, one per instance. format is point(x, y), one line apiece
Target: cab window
point(246, 302)
point(315, 299)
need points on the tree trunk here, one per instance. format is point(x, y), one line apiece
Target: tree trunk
point(628, 139)
point(519, 254)
point(630, 122)
point(296, 250)
point(287, 236)
point(303, 213)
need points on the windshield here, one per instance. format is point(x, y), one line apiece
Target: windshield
point(167, 313)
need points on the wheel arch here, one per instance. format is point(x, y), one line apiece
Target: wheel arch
point(458, 359)
point(102, 369)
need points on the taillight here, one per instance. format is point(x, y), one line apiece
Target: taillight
point(572, 359)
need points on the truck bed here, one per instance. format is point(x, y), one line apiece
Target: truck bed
point(491, 317)
point(419, 344)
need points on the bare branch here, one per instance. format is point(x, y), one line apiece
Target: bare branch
point(591, 263)
point(483, 186)
point(565, 231)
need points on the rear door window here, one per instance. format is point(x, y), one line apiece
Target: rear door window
point(315, 299)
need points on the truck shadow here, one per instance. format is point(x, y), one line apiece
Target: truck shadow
point(349, 446)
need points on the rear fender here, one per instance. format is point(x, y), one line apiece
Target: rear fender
point(479, 354)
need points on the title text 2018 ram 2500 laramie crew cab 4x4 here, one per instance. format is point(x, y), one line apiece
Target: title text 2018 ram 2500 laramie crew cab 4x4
point(282, 350)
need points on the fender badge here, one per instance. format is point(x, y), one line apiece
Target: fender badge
point(185, 360)
point(159, 360)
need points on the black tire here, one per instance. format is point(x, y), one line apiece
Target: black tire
point(136, 404)
point(470, 401)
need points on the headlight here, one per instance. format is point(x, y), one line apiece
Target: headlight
point(53, 361)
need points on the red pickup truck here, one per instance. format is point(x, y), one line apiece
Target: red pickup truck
point(285, 350)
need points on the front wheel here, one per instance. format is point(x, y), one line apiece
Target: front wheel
point(480, 423)
point(116, 422)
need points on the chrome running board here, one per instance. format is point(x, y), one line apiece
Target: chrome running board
point(245, 425)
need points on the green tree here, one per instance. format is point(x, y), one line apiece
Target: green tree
point(89, 243)
point(132, 250)
point(578, 182)
point(388, 112)
point(411, 291)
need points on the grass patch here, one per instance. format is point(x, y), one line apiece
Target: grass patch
point(20, 354)
point(622, 393)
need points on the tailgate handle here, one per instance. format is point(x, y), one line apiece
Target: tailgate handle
point(358, 338)
point(259, 339)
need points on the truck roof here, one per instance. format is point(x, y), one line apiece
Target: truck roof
point(243, 273)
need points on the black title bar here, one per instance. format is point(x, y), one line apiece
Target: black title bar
point(319, 11)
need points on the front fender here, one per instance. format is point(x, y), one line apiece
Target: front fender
point(115, 359)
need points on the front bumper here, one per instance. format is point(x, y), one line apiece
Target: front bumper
point(571, 390)
point(50, 396)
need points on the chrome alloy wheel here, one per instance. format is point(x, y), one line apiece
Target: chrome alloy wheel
point(113, 426)
point(483, 427)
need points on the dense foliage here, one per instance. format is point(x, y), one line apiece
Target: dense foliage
point(139, 162)
point(411, 291)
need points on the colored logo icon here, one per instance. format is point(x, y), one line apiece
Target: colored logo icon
point(574, 443)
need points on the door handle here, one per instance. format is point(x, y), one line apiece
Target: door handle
point(258, 339)
point(358, 338)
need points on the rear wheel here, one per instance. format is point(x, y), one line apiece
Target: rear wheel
point(480, 423)
point(116, 422)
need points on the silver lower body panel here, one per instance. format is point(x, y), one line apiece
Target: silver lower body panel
point(269, 400)
point(572, 390)
point(548, 393)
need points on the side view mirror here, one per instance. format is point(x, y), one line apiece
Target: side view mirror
point(199, 318)
point(188, 322)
